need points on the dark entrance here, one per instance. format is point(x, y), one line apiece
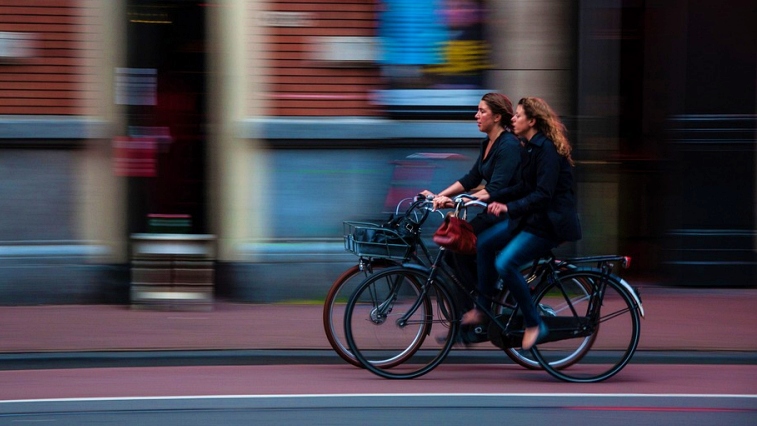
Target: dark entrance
point(163, 87)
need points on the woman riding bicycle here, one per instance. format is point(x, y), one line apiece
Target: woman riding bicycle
point(541, 209)
point(496, 165)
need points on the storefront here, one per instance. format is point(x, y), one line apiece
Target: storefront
point(265, 124)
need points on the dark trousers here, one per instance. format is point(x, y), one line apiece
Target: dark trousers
point(501, 252)
point(465, 265)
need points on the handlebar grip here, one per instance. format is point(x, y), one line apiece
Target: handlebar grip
point(461, 196)
point(461, 199)
point(475, 203)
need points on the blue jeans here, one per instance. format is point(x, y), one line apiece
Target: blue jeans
point(501, 253)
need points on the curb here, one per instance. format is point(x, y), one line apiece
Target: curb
point(175, 358)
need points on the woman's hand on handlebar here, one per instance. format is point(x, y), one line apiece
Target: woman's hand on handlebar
point(427, 194)
point(439, 201)
point(496, 208)
point(443, 202)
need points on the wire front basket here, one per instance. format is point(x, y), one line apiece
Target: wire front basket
point(371, 240)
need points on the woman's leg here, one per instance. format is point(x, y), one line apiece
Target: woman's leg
point(464, 265)
point(489, 242)
point(522, 248)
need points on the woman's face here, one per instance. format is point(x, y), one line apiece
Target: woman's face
point(485, 119)
point(522, 125)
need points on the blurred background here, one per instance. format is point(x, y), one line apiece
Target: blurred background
point(214, 148)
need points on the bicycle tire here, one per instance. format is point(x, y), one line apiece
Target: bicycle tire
point(525, 358)
point(619, 322)
point(373, 327)
point(338, 295)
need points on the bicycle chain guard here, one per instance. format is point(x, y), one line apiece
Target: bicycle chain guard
point(505, 339)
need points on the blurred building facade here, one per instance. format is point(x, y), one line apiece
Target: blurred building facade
point(268, 123)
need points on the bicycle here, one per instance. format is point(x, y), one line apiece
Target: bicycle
point(389, 247)
point(393, 251)
point(394, 310)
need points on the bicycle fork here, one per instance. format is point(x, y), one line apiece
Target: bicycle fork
point(403, 320)
point(382, 309)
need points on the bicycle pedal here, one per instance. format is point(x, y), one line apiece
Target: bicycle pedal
point(546, 310)
point(475, 334)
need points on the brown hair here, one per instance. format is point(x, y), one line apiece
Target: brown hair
point(548, 123)
point(500, 104)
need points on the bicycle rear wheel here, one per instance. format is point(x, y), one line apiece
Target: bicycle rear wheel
point(572, 352)
point(336, 299)
point(391, 316)
point(536, 280)
point(605, 353)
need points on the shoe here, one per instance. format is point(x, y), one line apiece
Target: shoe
point(467, 336)
point(459, 340)
point(472, 317)
point(534, 335)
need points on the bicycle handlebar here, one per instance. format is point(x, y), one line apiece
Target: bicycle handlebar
point(467, 200)
point(426, 203)
point(417, 202)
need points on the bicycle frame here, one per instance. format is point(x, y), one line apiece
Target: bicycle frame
point(551, 266)
point(605, 265)
point(432, 272)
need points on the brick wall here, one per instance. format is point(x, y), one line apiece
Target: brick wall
point(54, 76)
point(298, 84)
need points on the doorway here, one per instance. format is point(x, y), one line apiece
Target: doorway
point(166, 107)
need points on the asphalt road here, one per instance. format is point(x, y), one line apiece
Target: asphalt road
point(401, 409)
point(338, 394)
point(271, 364)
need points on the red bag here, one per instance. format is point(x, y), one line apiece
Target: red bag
point(457, 235)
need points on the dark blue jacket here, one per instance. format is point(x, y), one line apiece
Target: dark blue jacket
point(542, 201)
point(498, 169)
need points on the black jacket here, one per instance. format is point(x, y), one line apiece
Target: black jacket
point(542, 201)
point(498, 169)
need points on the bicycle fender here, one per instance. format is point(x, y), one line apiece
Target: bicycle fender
point(416, 267)
point(633, 293)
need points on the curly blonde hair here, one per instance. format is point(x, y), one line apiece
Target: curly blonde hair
point(548, 123)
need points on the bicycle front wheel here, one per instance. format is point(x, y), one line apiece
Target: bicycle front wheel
point(572, 323)
point(391, 316)
point(336, 299)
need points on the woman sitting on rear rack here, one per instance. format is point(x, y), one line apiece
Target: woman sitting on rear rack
point(541, 209)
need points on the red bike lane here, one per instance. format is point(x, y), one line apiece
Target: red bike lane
point(133, 382)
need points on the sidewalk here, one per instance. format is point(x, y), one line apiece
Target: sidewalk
point(676, 320)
